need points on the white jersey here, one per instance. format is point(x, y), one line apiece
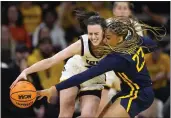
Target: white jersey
point(78, 64)
point(90, 59)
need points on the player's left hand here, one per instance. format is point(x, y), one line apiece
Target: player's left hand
point(49, 93)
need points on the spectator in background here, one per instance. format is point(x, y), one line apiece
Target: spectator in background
point(56, 32)
point(126, 9)
point(99, 7)
point(158, 64)
point(43, 33)
point(68, 21)
point(20, 61)
point(43, 51)
point(123, 9)
point(13, 19)
point(7, 46)
point(15, 68)
point(47, 78)
point(159, 69)
point(31, 15)
point(166, 109)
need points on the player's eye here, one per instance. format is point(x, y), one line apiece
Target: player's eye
point(107, 37)
point(90, 34)
point(95, 33)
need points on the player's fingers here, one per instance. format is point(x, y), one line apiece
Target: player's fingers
point(39, 93)
point(13, 84)
point(40, 97)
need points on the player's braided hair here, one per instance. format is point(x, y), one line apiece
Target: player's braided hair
point(123, 26)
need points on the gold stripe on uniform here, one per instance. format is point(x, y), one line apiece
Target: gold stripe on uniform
point(130, 83)
point(132, 87)
point(137, 87)
point(130, 100)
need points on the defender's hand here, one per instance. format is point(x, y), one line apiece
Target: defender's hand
point(47, 93)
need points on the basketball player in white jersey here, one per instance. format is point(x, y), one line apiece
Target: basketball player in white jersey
point(89, 93)
point(90, 99)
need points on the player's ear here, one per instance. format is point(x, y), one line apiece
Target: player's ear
point(120, 39)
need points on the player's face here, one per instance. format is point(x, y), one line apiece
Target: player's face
point(122, 9)
point(95, 34)
point(110, 38)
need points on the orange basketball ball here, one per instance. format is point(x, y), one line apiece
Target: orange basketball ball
point(23, 94)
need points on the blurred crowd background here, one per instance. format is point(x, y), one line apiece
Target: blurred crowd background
point(32, 31)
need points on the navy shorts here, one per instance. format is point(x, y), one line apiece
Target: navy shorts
point(135, 101)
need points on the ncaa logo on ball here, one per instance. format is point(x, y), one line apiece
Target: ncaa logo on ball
point(24, 96)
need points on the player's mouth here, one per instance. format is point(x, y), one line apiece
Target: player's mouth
point(94, 40)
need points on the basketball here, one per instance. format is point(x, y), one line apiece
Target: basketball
point(23, 95)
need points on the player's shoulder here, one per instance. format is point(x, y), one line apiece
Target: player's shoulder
point(84, 36)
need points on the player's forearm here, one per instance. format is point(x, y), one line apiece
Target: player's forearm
point(49, 62)
point(39, 66)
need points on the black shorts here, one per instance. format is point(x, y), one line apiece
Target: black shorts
point(90, 92)
point(136, 101)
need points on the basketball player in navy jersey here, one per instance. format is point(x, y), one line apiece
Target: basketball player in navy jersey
point(125, 57)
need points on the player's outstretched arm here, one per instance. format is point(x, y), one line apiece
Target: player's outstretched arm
point(110, 62)
point(44, 64)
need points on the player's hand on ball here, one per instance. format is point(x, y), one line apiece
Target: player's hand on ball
point(22, 76)
point(49, 93)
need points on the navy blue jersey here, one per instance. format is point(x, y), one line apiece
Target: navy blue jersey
point(131, 69)
point(136, 74)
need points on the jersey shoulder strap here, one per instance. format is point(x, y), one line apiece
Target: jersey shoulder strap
point(84, 44)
